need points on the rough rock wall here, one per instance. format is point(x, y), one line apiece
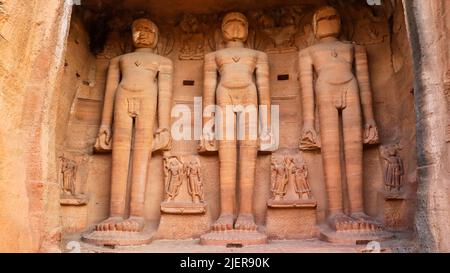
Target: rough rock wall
point(32, 48)
point(429, 35)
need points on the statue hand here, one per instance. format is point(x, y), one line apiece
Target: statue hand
point(207, 143)
point(162, 140)
point(103, 143)
point(371, 133)
point(309, 139)
point(267, 141)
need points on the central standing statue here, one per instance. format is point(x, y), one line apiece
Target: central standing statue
point(138, 86)
point(344, 103)
point(244, 80)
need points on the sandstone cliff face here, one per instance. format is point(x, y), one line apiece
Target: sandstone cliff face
point(431, 65)
point(32, 35)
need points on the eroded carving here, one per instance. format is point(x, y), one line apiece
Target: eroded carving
point(394, 169)
point(192, 38)
point(183, 186)
point(68, 171)
point(289, 182)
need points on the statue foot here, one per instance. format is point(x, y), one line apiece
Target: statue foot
point(365, 222)
point(246, 222)
point(108, 224)
point(132, 224)
point(341, 222)
point(225, 222)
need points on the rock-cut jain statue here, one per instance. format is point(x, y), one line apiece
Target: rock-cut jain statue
point(138, 87)
point(342, 97)
point(244, 81)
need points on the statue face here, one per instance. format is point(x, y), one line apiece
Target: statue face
point(235, 27)
point(327, 23)
point(145, 34)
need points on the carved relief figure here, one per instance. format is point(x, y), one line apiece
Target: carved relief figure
point(279, 178)
point(341, 95)
point(394, 170)
point(237, 67)
point(195, 186)
point(68, 176)
point(281, 29)
point(174, 172)
point(289, 181)
point(192, 39)
point(302, 187)
point(138, 88)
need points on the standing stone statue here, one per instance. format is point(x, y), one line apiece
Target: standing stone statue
point(68, 176)
point(138, 88)
point(342, 97)
point(244, 81)
point(394, 170)
point(279, 179)
point(302, 187)
point(174, 175)
point(195, 186)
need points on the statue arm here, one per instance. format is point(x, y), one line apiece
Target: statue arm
point(210, 83)
point(306, 83)
point(309, 139)
point(362, 74)
point(165, 84)
point(262, 83)
point(112, 82)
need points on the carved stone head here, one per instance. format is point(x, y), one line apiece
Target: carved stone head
point(235, 27)
point(327, 23)
point(145, 33)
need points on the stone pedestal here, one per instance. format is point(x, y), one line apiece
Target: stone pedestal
point(74, 211)
point(119, 238)
point(352, 237)
point(185, 225)
point(235, 238)
point(393, 210)
point(291, 221)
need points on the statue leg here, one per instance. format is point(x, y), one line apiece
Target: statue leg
point(121, 142)
point(353, 149)
point(330, 138)
point(142, 148)
point(227, 170)
point(247, 165)
point(227, 174)
point(248, 150)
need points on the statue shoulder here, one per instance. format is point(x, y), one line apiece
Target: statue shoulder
point(115, 60)
point(165, 64)
point(262, 56)
point(165, 61)
point(210, 56)
point(305, 52)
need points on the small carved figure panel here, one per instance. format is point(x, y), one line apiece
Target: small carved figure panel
point(394, 168)
point(183, 185)
point(289, 182)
